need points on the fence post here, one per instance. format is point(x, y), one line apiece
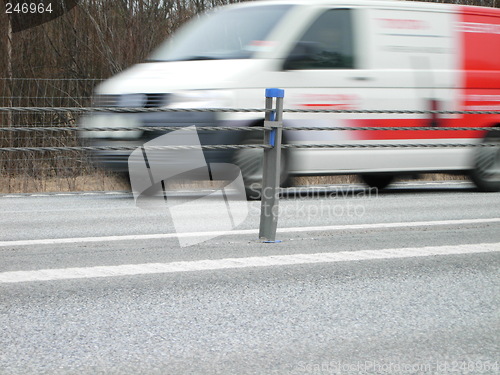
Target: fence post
point(272, 166)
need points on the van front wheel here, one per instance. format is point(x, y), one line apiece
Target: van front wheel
point(250, 161)
point(486, 173)
point(379, 181)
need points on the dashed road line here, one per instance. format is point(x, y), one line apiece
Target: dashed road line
point(240, 263)
point(65, 194)
point(312, 188)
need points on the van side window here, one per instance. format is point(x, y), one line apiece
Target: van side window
point(327, 44)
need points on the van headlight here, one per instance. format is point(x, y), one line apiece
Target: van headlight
point(200, 99)
point(110, 121)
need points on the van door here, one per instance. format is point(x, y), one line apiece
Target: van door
point(334, 65)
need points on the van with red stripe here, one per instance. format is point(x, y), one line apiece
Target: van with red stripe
point(387, 56)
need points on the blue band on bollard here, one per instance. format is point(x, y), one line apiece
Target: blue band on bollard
point(275, 93)
point(272, 116)
point(272, 137)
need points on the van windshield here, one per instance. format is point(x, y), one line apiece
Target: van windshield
point(225, 34)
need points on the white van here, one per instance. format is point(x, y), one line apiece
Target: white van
point(325, 54)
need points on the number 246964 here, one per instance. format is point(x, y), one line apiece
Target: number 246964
point(26, 8)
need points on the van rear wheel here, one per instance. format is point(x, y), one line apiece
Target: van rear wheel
point(379, 181)
point(486, 173)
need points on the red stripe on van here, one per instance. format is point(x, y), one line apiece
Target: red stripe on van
point(480, 34)
point(479, 30)
point(416, 134)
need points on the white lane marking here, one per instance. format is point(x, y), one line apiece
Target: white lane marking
point(73, 194)
point(232, 263)
point(334, 186)
point(135, 237)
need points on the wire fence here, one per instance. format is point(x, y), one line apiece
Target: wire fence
point(40, 148)
point(31, 171)
point(31, 92)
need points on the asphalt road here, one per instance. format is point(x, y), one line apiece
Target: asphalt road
point(400, 282)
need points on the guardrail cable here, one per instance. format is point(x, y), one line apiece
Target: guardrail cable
point(241, 128)
point(125, 109)
point(242, 110)
point(139, 128)
point(249, 146)
point(131, 148)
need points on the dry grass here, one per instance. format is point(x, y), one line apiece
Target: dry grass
point(104, 181)
point(99, 181)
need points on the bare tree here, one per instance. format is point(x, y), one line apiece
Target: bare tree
point(99, 38)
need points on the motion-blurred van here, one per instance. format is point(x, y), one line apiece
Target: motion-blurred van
point(348, 55)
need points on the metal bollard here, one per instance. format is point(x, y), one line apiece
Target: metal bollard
point(272, 165)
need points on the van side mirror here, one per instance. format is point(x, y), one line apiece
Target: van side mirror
point(303, 55)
